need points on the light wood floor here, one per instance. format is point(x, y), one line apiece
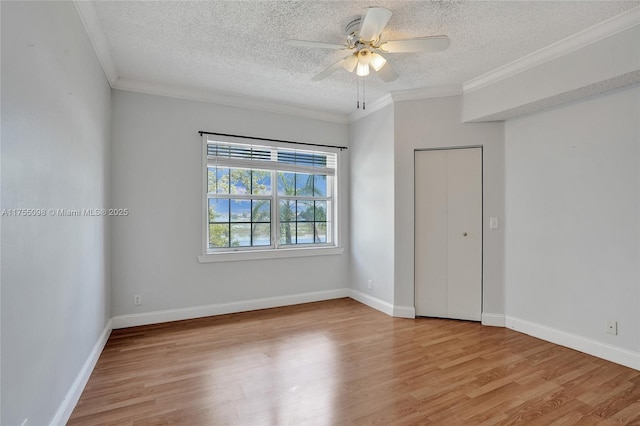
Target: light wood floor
point(342, 363)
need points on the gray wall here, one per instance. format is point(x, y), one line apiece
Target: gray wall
point(572, 207)
point(157, 161)
point(435, 123)
point(55, 154)
point(572, 202)
point(382, 197)
point(372, 197)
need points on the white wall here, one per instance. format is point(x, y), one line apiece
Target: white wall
point(565, 71)
point(157, 160)
point(372, 211)
point(572, 205)
point(435, 123)
point(55, 154)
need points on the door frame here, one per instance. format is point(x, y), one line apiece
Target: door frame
point(451, 148)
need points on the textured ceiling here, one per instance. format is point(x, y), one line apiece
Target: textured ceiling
point(236, 47)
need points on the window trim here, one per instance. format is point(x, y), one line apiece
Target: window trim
point(266, 252)
point(269, 253)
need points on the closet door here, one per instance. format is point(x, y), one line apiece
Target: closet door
point(448, 233)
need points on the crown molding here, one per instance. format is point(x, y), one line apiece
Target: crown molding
point(577, 41)
point(92, 26)
point(426, 93)
point(374, 106)
point(406, 95)
point(226, 99)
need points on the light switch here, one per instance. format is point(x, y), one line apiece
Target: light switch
point(493, 223)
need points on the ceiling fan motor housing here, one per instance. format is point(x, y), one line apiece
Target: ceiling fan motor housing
point(353, 37)
point(353, 29)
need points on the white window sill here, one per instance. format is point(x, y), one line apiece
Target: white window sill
point(233, 256)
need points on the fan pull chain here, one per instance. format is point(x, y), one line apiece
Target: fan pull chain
point(363, 95)
point(360, 80)
point(357, 93)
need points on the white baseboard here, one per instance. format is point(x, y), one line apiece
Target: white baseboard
point(404, 311)
point(132, 320)
point(155, 317)
point(382, 306)
point(598, 349)
point(372, 302)
point(73, 395)
point(493, 320)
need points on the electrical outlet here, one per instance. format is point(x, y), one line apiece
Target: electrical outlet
point(370, 284)
point(612, 327)
point(137, 300)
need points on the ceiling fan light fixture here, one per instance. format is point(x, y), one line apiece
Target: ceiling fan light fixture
point(350, 62)
point(362, 70)
point(377, 61)
point(364, 56)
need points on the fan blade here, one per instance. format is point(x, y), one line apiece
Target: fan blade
point(373, 22)
point(315, 44)
point(328, 71)
point(387, 73)
point(422, 44)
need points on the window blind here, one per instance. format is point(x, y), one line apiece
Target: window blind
point(224, 154)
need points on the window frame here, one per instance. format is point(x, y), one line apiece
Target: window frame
point(275, 250)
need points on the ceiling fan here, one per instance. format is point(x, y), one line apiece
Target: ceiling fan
point(364, 39)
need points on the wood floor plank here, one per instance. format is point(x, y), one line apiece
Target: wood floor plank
point(342, 363)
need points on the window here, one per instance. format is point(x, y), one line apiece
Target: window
point(268, 197)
